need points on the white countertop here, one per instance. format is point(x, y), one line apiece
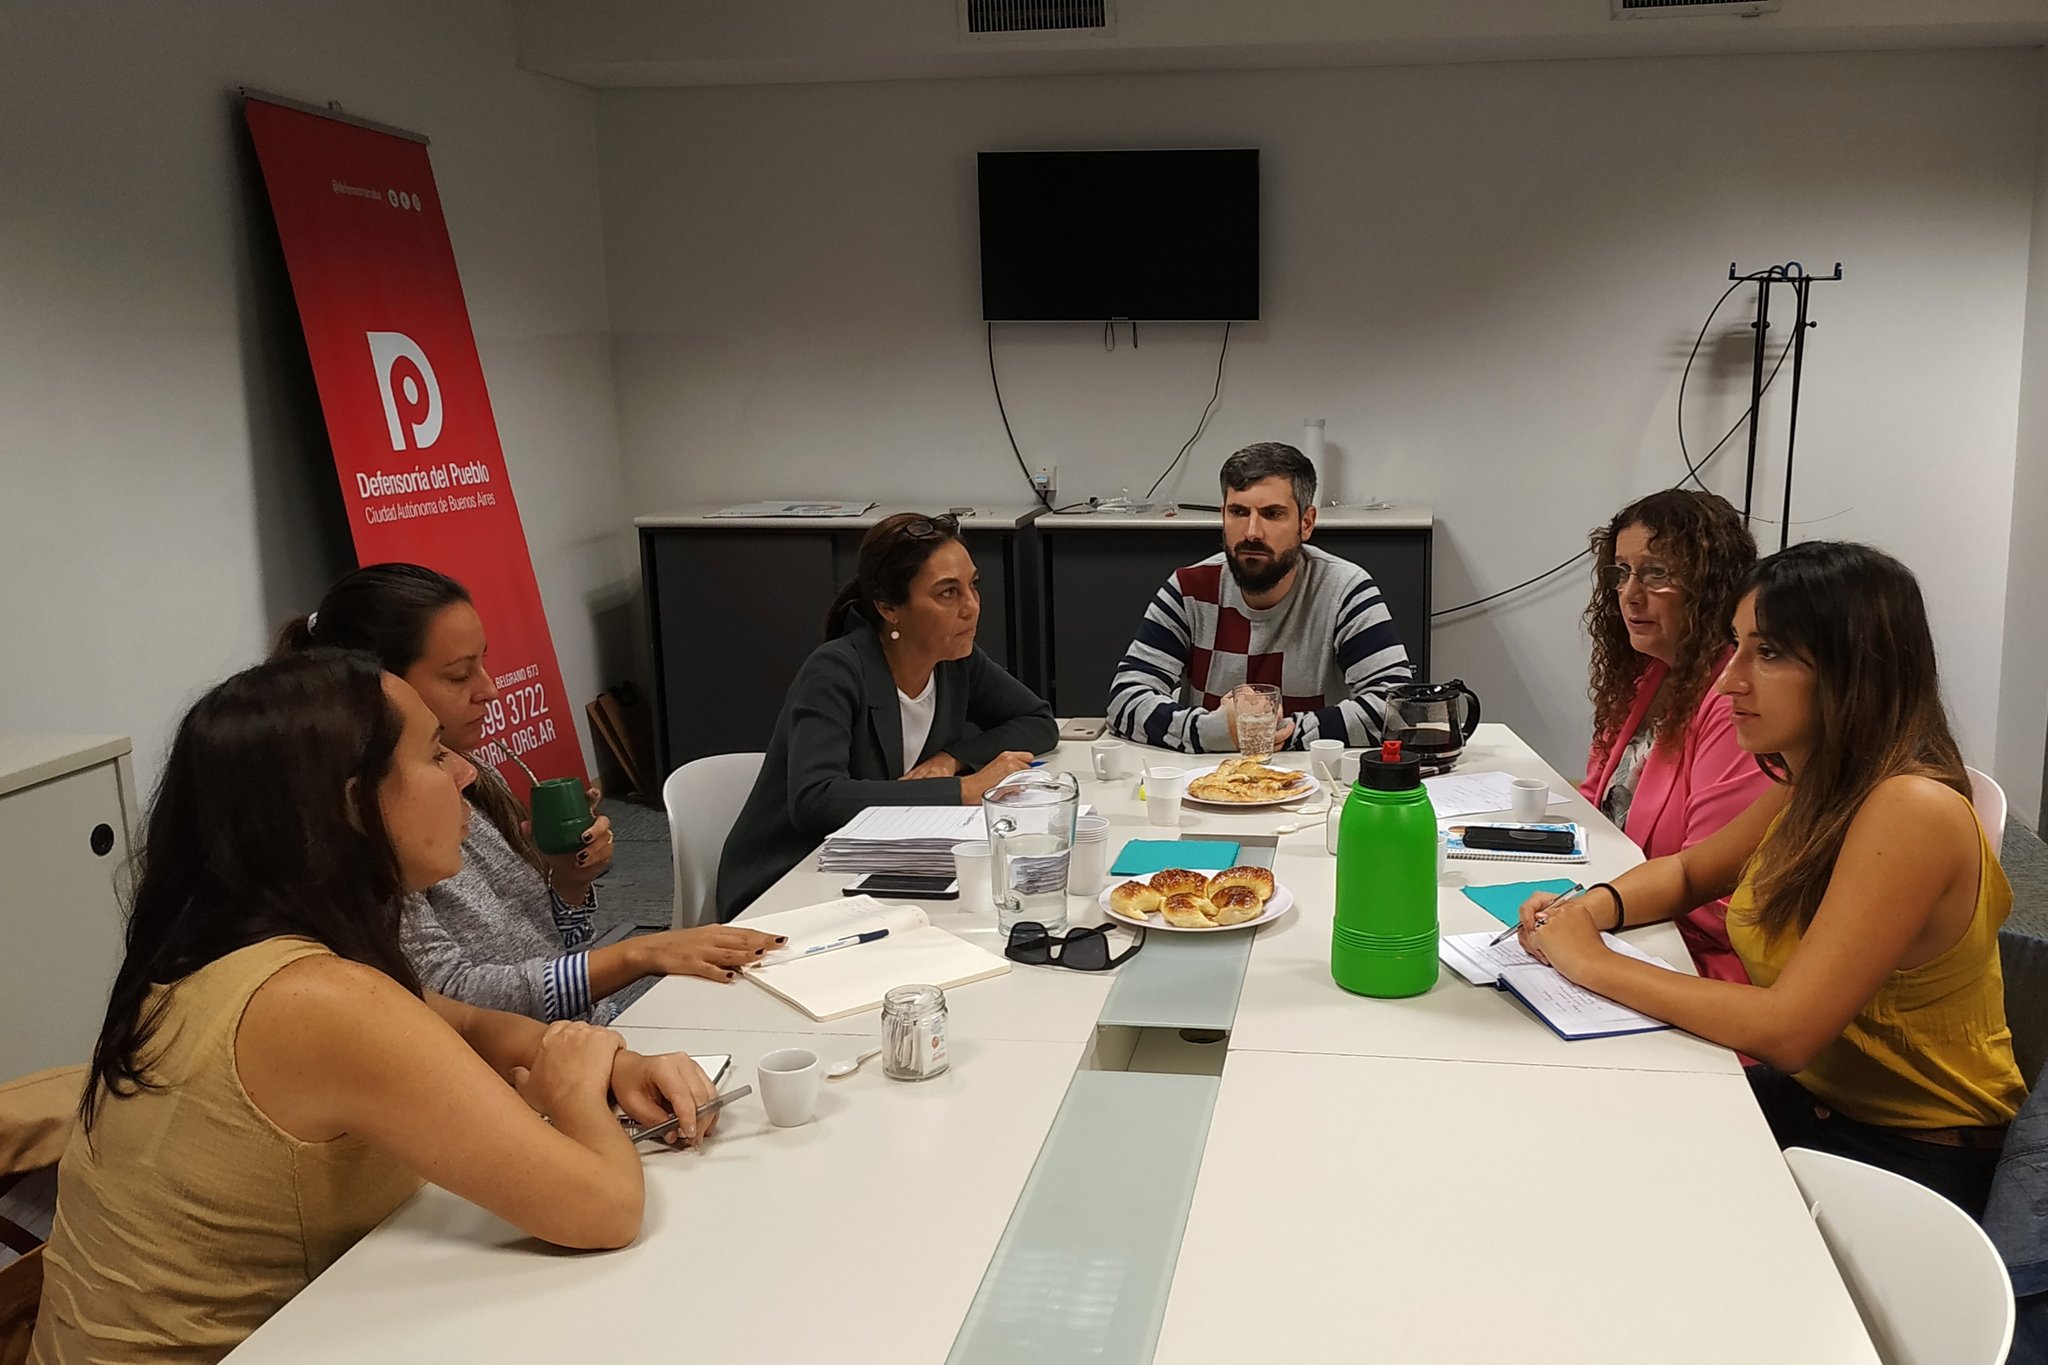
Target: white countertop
point(992, 517)
point(1404, 517)
point(1376, 1208)
point(27, 760)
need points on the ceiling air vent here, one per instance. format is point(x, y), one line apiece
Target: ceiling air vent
point(997, 18)
point(1642, 9)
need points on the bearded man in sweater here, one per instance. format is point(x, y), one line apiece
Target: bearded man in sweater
point(1270, 609)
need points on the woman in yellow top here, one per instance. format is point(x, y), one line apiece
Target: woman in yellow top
point(271, 1081)
point(1865, 899)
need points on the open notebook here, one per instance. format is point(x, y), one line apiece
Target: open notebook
point(850, 980)
point(1573, 1012)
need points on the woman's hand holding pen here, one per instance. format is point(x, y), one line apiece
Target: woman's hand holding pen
point(1559, 931)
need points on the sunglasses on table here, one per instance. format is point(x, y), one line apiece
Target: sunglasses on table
point(1084, 950)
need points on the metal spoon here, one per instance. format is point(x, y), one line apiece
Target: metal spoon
point(839, 1071)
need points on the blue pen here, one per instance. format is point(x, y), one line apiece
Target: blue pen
point(1037, 763)
point(849, 941)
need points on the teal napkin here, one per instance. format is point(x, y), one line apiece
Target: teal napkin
point(1503, 900)
point(1143, 857)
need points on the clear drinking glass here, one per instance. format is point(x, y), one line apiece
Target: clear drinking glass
point(1258, 719)
point(1031, 835)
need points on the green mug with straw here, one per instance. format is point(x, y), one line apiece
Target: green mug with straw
point(561, 812)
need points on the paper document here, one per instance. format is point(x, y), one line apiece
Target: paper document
point(1458, 794)
point(1573, 1012)
point(794, 509)
point(849, 980)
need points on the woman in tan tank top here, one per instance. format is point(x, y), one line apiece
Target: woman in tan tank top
point(270, 1081)
point(1865, 899)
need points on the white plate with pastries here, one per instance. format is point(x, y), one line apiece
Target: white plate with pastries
point(1255, 785)
point(1180, 901)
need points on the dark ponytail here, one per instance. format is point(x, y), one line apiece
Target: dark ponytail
point(385, 610)
point(891, 554)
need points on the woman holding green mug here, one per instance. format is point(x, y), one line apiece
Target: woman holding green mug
point(509, 931)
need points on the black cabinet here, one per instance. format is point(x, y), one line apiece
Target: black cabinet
point(735, 605)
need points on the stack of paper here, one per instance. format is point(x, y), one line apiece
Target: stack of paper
point(1573, 1012)
point(916, 840)
point(1456, 794)
point(832, 985)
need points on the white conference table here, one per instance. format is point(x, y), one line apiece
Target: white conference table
point(1436, 1179)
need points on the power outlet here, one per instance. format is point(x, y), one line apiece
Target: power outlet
point(1047, 481)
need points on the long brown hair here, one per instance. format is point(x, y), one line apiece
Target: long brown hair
point(385, 611)
point(265, 824)
point(1854, 615)
point(891, 554)
point(1710, 553)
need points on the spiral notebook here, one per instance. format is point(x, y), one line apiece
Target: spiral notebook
point(851, 980)
point(1572, 1012)
point(1454, 845)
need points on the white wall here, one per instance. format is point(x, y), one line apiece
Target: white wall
point(1486, 278)
point(167, 492)
point(2023, 690)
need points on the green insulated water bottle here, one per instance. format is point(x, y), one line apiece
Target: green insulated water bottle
point(1384, 940)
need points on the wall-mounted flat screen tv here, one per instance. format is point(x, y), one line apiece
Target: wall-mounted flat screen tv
point(1094, 236)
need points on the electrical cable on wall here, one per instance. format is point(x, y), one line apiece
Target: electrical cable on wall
point(997, 385)
point(1693, 470)
point(1201, 425)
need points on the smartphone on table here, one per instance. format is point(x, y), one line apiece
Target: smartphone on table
point(1520, 839)
point(899, 884)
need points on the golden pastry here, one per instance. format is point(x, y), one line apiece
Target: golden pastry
point(1184, 911)
point(1257, 880)
point(1243, 780)
point(1134, 899)
point(1236, 904)
point(1175, 879)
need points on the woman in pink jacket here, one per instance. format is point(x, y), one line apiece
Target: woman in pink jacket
point(1665, 765)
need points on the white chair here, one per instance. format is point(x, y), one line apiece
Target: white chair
point(703, 800)
point(1989, 799)
point(1929, 1284)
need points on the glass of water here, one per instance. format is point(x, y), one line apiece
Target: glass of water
point(1031, 840)
point(1258, 719)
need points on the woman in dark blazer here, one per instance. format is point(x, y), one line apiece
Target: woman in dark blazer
point(898, 707)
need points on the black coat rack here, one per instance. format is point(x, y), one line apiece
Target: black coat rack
point(1794, 274)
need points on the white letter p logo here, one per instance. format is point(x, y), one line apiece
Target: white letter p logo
point(405, 378)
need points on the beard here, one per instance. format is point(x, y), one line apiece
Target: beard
point(1260, 575)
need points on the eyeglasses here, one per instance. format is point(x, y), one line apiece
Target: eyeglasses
point(1653, 577)
point(1084, 950)
point(924, 528)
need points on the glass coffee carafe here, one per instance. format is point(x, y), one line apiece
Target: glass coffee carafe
point(1432, 721)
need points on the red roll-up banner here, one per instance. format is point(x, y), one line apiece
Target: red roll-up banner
point(415, 446)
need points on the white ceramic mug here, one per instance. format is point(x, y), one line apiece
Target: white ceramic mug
point(1528, 799)
point(1164, 788)
point(1326, 759)
point(789, 1086)
point(1107, 756)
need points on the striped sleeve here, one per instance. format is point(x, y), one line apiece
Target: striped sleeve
point(565, 987)
point(1372, 659)
point(1144, 696)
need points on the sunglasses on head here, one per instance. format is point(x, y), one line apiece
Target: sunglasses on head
point(924, 528)
point(1084, 950)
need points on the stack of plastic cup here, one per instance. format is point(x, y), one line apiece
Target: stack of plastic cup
point(1088, 873)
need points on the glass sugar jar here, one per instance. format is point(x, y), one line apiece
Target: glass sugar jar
point(914, 1033)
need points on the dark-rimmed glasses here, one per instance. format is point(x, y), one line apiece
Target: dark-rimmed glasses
point(1084, 950)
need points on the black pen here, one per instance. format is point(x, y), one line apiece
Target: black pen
point(1501, 937)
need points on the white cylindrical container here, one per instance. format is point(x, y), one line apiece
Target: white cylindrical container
point(1312, 447)
point(1088, 872)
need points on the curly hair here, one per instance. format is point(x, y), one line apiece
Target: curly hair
point(1710, 553)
